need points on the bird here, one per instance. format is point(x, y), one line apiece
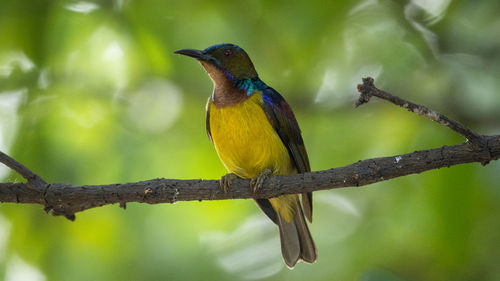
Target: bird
point(256, 135)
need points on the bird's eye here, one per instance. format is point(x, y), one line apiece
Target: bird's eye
point(227, 53)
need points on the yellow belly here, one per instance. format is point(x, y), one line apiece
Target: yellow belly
point(245, 140)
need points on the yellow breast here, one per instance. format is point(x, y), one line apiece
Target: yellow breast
point(245, 140)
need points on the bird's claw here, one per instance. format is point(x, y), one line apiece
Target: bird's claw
point(226, 181)
point(256, 183)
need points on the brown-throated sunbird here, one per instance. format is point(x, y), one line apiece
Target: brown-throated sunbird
point(256, 135)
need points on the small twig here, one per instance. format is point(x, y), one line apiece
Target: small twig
point(33, 179)
point(368, 89)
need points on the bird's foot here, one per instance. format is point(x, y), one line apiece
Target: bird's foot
point(226, 181)
point(256, 183)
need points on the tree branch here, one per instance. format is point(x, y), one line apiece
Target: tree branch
point(368, 89)
point(32, 178)
point(66, 199)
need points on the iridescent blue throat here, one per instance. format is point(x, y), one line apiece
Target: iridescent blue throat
point(249, 85)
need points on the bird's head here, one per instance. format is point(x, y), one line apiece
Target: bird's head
point(223, 62)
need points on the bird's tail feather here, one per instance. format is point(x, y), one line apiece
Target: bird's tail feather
point(308, 252)
point(296, 241)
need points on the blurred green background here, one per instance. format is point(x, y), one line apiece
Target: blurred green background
point(90, 93)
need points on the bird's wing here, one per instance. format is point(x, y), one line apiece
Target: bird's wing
point(282, 119)
point(207, 119)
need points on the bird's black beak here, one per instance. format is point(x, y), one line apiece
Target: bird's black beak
point(197, 54)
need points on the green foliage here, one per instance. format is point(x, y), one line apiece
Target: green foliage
point(91, 93)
